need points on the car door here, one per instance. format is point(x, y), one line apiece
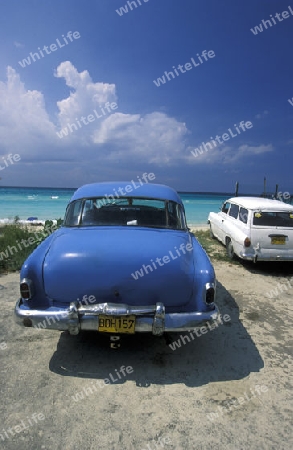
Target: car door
point(223, 221)
point(231, 224)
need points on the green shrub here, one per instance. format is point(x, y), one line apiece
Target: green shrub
point(14, 245)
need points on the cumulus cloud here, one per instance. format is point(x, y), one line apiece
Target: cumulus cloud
point(113, 141)
point(23, 117)
point(86, 96)
point(152, 138)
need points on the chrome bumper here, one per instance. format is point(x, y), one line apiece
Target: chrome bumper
point(149, 319)
point(266, 256)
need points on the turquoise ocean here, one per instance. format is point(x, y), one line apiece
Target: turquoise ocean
point(50, 203)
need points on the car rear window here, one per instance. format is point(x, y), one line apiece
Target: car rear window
point(273, 218)
point(126, 211)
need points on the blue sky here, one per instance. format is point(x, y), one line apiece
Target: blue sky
point(116, 59)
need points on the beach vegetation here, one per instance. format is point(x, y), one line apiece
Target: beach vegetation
point(17, 242)
point(11, 236)
point(215, 250)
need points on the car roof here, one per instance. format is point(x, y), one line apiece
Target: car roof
point(107, 189)
point(257, 203)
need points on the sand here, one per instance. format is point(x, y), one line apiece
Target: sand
point(167, 399)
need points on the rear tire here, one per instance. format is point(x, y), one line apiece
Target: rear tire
point(230, 250)
point(212, 236)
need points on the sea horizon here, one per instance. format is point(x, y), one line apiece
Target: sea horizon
point(75, 188)
point(31, 204)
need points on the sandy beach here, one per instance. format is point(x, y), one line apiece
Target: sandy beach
point(195, 228)
point(229, 388)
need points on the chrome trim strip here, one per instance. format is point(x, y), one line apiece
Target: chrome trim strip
point(116, 309)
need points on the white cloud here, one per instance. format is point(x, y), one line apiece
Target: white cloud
point(151, 138)
point(257, 150)
point(154, 137)
point(86, 95)
point(18, 44)
point(227, 154)
point(262, 115)
point(23, 117)
point(113, 141)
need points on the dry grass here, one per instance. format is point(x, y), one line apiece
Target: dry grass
point(214, 248)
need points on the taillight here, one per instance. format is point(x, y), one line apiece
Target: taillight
point(26, 289)
point(210, 293)
point(247, 242)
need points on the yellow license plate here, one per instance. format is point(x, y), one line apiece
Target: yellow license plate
point(117, 324)
point(278, 240)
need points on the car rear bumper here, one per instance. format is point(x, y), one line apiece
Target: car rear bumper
point(149, 319)
point(269, 255)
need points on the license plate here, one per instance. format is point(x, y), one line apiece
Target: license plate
point(278, 240)
point(117, 324)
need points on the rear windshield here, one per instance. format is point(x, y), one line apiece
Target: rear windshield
point(126, 211)
point(271, 218)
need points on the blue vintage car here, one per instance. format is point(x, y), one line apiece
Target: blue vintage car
point(123, 261)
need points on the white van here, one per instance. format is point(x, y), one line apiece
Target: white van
point(254, 228)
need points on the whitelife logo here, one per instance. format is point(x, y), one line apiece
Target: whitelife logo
point(122, 372)
point(199, 331)
point(205, 56)
point(128, 189)
point(33, 57)
point(279, 289)
point(234, 404)
point(88, 119)
point(271, 22)
point(162, 261)
point(124, 9)
point(21, 426)
point(225, 136)
point(9, 160)
point(24, 243)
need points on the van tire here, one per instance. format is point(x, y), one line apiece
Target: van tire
point(230, 250)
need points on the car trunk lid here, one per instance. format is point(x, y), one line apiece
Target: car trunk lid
point(120, 265)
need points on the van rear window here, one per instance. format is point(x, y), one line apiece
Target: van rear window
point(271, 218)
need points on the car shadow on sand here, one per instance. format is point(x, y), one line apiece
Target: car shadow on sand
point(224, 353)
point(269, 268)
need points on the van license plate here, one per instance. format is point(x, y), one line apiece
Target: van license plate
point(278, 240)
